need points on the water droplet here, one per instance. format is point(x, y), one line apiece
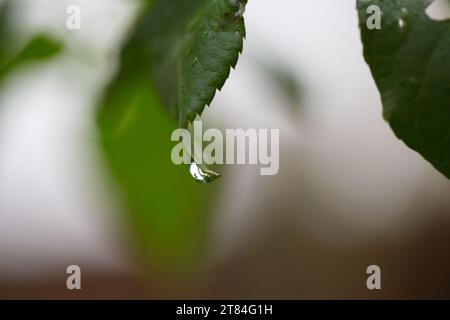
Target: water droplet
point(202, 175)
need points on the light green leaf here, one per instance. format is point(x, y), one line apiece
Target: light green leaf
point(410, 61)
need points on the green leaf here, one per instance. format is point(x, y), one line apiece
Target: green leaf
point(38, 49)
point(189, 47)
point(12, 55)
point(212, 47)
point(166, 208)
point(410, 61)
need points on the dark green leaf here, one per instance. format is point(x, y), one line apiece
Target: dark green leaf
point(188, 46)
point(410, 61)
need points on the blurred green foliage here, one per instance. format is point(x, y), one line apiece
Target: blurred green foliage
point(285, 81)
point(13, 54)
point(166, 207)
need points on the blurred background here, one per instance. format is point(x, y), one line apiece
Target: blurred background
point(348, 193)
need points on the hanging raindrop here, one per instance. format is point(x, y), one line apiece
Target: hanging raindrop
point(202, 175)
point(199, 172)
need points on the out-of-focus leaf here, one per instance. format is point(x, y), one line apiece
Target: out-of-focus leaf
point(166, 207)
point(189, 47)
point(39, 48)
point(410, 61)
point(178, 54)
point(285, 81)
